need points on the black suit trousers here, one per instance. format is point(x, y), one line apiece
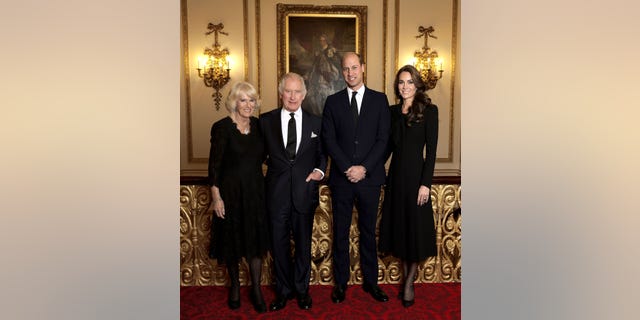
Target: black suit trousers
point(366, 199)
point(292, 274)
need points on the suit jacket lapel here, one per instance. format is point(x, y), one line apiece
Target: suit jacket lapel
point(363, 106)
point(306, 131)
point(346, 101)
point(276, 127)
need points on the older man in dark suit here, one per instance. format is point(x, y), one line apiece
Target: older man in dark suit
point(355, 132)
point(295, 165)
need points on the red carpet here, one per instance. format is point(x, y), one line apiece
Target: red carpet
point(438, 301)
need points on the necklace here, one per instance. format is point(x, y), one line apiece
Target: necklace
point(244, 129)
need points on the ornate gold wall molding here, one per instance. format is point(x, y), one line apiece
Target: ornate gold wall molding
point(196, 268)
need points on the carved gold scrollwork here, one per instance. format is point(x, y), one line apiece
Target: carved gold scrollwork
point(322, 240)
point(196, 268)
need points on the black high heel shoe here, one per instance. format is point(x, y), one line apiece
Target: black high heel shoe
point(408, 303)
point(233, 304)
point(258, 302)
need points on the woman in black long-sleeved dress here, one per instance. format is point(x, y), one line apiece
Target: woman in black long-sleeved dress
point(407, 228)
point(240, 225)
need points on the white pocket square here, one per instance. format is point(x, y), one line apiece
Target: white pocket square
point(313, 135)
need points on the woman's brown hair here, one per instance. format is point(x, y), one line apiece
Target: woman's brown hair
point(420, 101)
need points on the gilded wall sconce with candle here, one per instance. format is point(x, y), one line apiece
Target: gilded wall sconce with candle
point(214, 66)
point(427, 61)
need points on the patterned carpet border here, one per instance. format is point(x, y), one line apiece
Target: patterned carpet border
point(436, 301)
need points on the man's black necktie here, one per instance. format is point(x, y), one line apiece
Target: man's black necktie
point(354, 106)
point(291, 137)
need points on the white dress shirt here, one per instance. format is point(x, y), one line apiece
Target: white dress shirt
point(284, 122)
point(359, 96)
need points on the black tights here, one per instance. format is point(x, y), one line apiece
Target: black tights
point(255, 269)
point(234, 276)
point(409, 270)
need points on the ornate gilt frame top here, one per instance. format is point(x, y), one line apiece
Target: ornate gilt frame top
point(298, 10)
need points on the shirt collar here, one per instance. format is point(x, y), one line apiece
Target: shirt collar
point(360, 91)
point(285, 112)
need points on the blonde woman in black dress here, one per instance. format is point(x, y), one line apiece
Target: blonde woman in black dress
point(240, 224)
point(407, 228)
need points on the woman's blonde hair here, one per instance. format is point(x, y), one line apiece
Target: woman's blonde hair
point(237, 90)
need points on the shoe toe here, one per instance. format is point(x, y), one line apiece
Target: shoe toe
point(338, 294)
point(304, 302)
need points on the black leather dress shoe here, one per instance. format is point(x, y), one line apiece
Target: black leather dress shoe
point(375, 292)
point(280, 302)
point(338, 293)
point(304, 301)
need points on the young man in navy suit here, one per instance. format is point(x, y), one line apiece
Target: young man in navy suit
point(355, 132)
point(295, 165)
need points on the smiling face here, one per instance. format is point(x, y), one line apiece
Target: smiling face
point(406, 86)
point(353, 71)
point(245, 105)
point(292, 94)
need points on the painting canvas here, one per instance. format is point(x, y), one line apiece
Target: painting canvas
point(312, 44)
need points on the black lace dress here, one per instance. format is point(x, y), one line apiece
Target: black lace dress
point(235, 167)
point(407, 230)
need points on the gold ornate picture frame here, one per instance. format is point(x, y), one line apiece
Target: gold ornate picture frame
point(311, 41)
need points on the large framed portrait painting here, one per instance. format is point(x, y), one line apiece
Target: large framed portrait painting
point(311, 42)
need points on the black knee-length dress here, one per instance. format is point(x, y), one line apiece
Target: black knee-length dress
point(235, 167)
point(407, 230)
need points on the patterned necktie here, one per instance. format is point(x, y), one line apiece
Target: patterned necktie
point(291, 137)
point(354, 106)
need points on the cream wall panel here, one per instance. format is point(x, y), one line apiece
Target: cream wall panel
point(202, 112)
point(438, 14)
point(455, 166)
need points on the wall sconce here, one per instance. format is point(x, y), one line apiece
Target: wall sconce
point(427, 60)
point(214, 68)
